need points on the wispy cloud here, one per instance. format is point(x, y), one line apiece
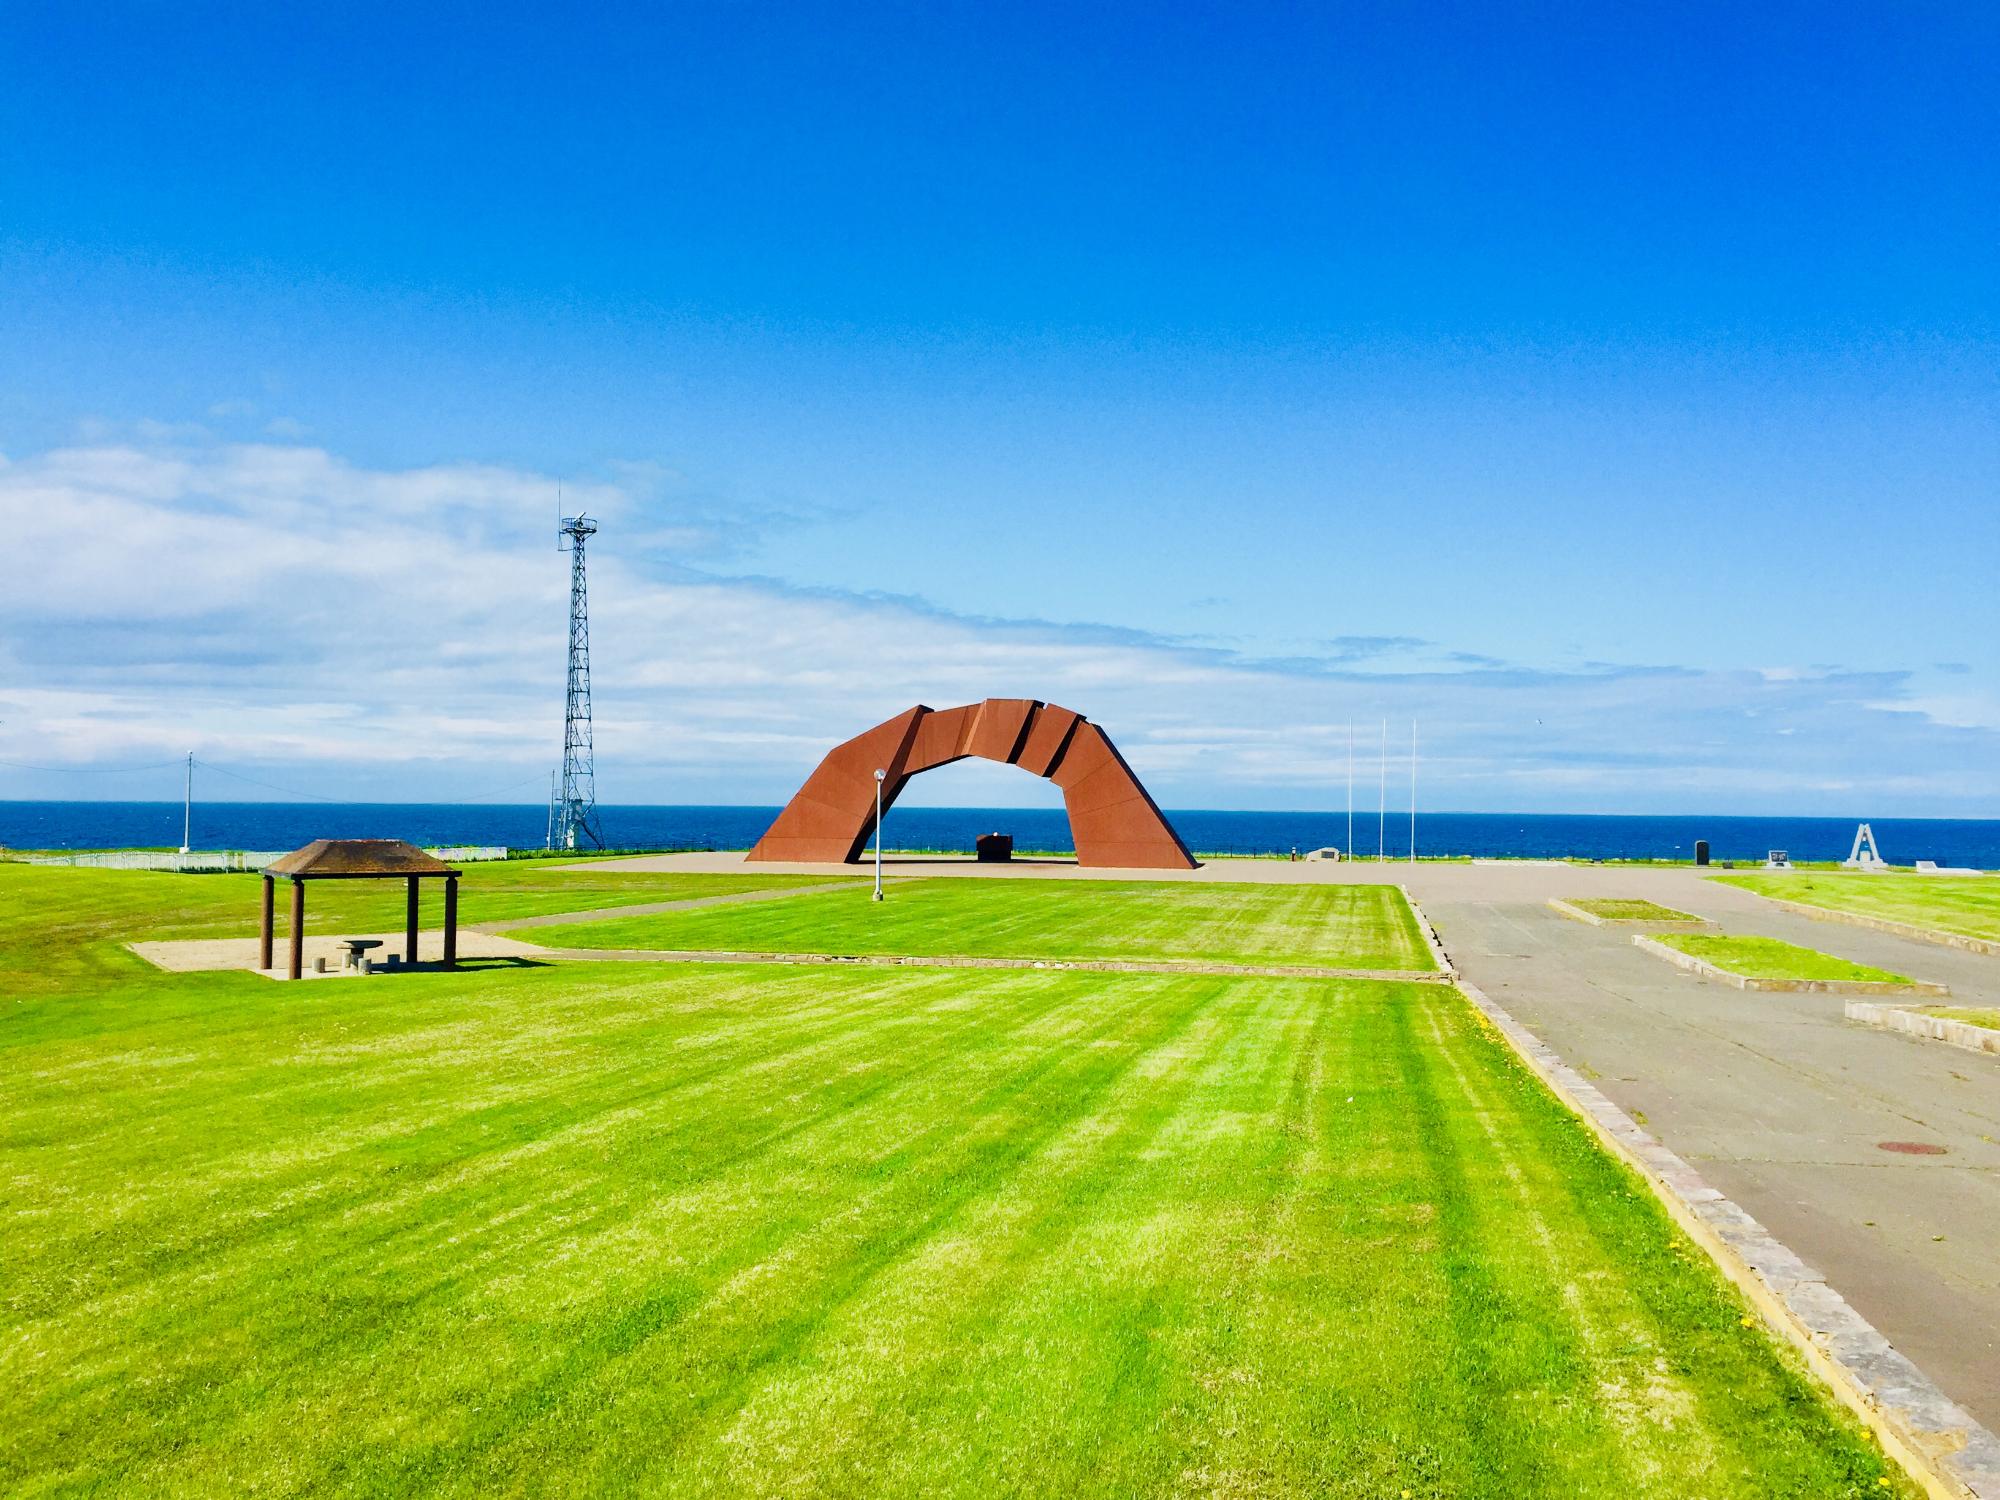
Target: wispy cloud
point(379, 632)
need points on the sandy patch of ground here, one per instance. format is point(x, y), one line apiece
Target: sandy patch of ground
point(201, 954)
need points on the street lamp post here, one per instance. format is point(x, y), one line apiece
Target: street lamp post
point(879, 774)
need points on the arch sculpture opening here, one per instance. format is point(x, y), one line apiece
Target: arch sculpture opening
point(1112, 820)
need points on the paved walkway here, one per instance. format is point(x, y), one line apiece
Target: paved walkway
point(1179, 966)
point(1776, 1098)
point(908, 866)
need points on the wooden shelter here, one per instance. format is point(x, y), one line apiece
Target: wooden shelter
point(358, 859)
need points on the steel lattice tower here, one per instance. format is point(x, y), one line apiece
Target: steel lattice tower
point(576, 804)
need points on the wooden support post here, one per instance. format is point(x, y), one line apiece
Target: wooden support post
point(298, 928)
point(450, 921)
point(410, 923)
point(264, 928)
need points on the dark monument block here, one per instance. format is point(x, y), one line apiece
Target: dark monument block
point(994, 847)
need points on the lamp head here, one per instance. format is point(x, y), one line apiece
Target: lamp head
point(881, 775)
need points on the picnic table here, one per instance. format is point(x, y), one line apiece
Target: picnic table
point(356, 947)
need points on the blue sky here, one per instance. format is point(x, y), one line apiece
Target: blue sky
point(1612, 389)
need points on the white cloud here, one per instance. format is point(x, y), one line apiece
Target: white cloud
point(1949, 710)
point(354, 631)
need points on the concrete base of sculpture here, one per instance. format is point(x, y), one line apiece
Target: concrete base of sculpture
point(1112, 820)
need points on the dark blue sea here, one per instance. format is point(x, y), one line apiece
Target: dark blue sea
point(277, 825)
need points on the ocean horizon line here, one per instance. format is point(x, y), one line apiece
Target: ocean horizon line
point(1394, 810)
point(1392, 832)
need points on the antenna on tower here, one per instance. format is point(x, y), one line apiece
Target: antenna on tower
point(576, 803)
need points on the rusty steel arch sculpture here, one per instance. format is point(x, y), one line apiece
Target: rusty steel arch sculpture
point(1111, 818)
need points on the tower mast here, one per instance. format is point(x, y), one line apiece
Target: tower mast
point(576, 805)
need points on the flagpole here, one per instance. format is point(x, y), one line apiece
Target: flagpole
point(1382, 804)
point(1413, 789)
point(1350, 787)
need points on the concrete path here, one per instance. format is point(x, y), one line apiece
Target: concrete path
point(909, 866)
point(961, 961)
point(1776, 1098)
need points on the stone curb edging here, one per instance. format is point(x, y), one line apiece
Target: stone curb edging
point(1707, 970)
point(1445, 968)
point(1663, 924)
point(946, 961)
point(1941, 1445)
point(1930, 1028)
point(1884, 924)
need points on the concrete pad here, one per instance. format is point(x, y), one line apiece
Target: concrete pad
point(204, 954)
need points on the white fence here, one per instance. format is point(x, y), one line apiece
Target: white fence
point(206, 861)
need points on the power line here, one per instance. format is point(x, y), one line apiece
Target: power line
point(269, 786)
point(16, 765)
point(209, 765)
point(512, 786)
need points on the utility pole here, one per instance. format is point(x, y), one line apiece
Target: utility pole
point(879, 775)
point(1382, 809)
point(187, 807)
point(1413, 789)
point(576, 812)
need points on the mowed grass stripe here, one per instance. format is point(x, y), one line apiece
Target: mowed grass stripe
point(1513, 1338)
point(1595, 1332)
point(843, 1388)
point(444, 1137)
point(1664, 1345)
point(1968, 905)
point(766, 1231)
point(271, 1127)
point(903, 1168)
point(902, 1187)
point(1336, 926)
point(427, 1212)
point(1770, 958)
point(999, 1287)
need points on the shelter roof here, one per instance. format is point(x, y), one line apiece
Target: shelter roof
point(357, 859)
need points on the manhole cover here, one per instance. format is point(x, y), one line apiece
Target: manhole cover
point(1910, 1148)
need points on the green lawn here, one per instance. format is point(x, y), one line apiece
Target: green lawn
point(1971, 1015)
point(1358, 926)
point(1612, 909)
point(1968, 905)
point(1767, 958)
point(106, 908)
point(703, 1230)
